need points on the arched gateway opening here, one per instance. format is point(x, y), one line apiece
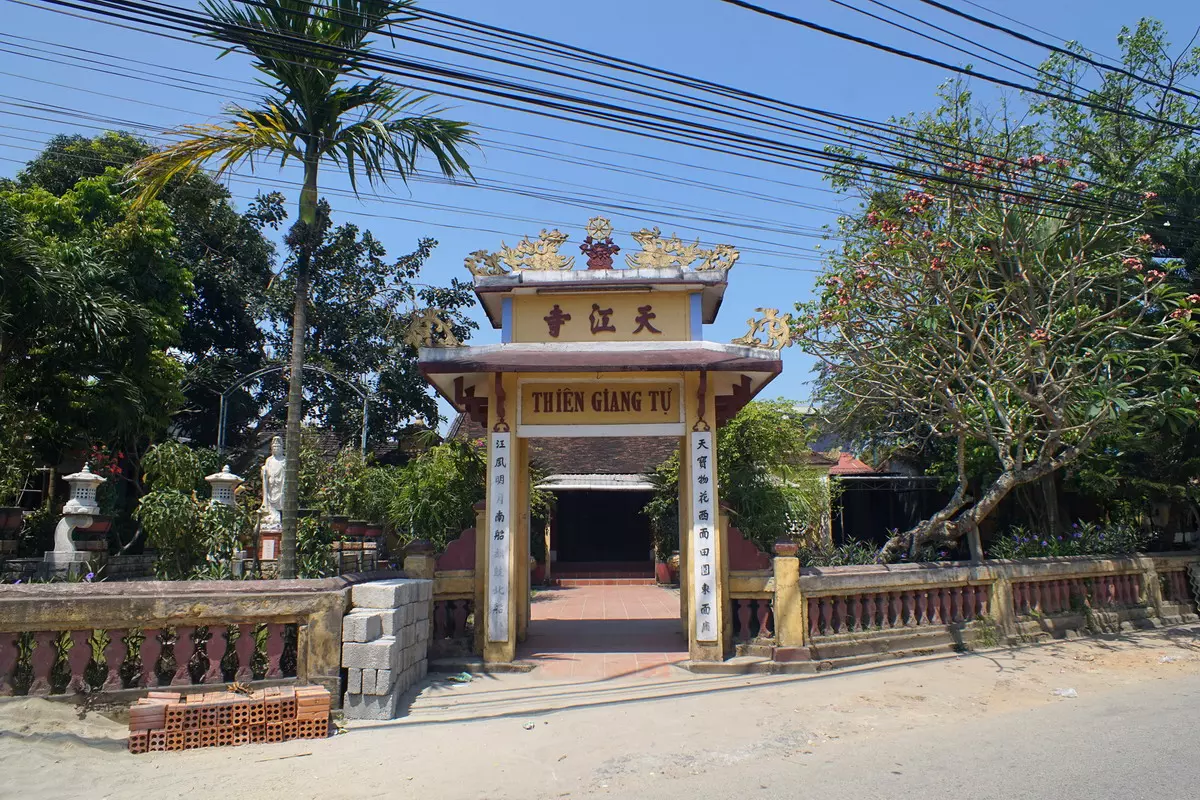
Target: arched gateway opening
point(615, 357)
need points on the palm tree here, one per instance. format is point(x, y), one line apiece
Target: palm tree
point(322, 107)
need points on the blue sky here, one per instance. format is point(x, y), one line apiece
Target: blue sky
point(702, 38)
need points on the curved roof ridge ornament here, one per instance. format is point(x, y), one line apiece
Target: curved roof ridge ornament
point(658, 252)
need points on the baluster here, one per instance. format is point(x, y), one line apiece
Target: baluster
point(78, 658)
point(440, 618)
point(1108, 590)
point(814, 606)
point(215, 650)
point(1064, 595)
point(460, 611)
point(8, 661)
point(184, 647)
point(114, 656)
point(856, 610)
point(931, 614)
point(897, 605)
point(1135, 587)
point(947, 609)
point(957, 591)
point(743, 618)
point(910, 617)
point(42, 661)
point(1020, 599)
point(764, 619)
point(1050, 597)
point(840, 612)
point(1038, 601)
point(922, 610)
point(150, 651)
point(827, 615)
point(274, 649)
point(885, 610)
point(868, 611)
point(969, 602)
point(244, 647)
point(983, 596)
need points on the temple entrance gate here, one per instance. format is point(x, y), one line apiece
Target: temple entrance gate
point(601, 352)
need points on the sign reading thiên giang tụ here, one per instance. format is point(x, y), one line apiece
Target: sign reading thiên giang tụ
point(604, 403)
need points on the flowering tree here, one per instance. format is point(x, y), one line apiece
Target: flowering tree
point(996, 299)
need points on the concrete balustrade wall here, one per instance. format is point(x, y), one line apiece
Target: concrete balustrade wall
point(834, 616)
point(123, 638)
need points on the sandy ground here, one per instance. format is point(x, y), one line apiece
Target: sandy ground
point(518, 737)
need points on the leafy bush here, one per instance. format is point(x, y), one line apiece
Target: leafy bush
point(762, 478)
point(194, 538)
point(1084, 539)
point(825, 554)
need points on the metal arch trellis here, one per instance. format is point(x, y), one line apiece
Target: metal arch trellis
point(224, 407)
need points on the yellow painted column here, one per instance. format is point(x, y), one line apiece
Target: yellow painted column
point(708, 595)
point(501, 584)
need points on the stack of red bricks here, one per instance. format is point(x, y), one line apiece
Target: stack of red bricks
point(169, 721)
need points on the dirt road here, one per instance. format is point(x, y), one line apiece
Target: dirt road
point(515, 737)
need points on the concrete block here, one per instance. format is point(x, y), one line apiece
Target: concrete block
point(422, 612)
point(423, 667)
point(368, 681)
point(370, 706)
point(354, 681)
point(360, 626)
point(384, 680)
point(422, 632)
point(408, 593)
point(408, 636)
point(370, 655)
point(391, 620)
point(424, 591)
point(410, 614)
point(380, 594)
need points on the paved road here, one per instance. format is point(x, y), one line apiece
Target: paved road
point(1135, 742)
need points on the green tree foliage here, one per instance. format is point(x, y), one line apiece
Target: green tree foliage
point(322, 109)
point(229, 260)
point(92, 301)
point(1012, 299)
point(361, 307)
point(763, 478)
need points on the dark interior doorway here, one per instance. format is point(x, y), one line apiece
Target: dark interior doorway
point(602, 526)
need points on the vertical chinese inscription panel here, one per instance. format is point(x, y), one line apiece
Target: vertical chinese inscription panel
point(499, 532)
point(704, 535)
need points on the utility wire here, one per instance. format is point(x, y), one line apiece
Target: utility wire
point(779, 15)
point(1061, 50)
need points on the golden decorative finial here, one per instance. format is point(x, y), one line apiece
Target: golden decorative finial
point(772, 331)
point(429, 328)
point(660, 253)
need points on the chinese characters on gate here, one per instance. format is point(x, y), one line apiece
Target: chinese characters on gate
point(600, 320)
point(499, 534)
point(704, 531)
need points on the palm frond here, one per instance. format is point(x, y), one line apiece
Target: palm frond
point(247, 134)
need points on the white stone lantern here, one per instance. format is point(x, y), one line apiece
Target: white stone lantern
point(78, 512)
point(224, 484)
point(83, 492)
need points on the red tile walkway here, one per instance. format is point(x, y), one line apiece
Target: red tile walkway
point(605, 633)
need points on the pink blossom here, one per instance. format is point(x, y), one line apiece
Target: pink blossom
point(1079, 186)
point(1134, 264)
point(1193, 298)
point(1149, 196)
